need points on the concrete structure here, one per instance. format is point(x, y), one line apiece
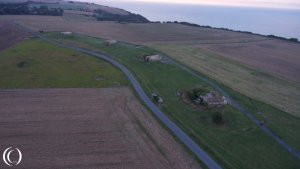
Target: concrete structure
point(153, 58)
point(157, 99)
point(183, 137)
point(66, 33)
point(213, 98)
point(110, 42)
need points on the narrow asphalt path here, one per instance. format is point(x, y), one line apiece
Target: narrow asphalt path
point(181, 135)
point(200, 153)
point(236, 104)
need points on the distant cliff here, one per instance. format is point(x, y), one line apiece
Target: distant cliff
point(25, 9)
point(56, 7)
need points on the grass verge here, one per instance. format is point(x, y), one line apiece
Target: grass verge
point(237, 143)
point(279, 93)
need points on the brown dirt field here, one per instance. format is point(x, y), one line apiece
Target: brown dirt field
point(86, 128)
point(134, 33)
point(10, 34)
point(276, 57)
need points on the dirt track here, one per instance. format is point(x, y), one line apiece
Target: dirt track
point(85, 128)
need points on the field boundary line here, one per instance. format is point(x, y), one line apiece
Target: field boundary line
point(178, 132)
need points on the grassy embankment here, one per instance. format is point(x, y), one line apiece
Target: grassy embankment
point(37, 64)
point(237, 143)
point(268, 88)
point(261, 87)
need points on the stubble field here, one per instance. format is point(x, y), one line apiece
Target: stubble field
point(259, 73)
point(213, 53)
point(130, 32)
point(267, 56)
point(253, 65)
point(77, 128)
point(167, 80)
point(86, 128)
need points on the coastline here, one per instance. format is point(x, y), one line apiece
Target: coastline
point(295, 40)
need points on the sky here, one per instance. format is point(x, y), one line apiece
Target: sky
point(293, 4)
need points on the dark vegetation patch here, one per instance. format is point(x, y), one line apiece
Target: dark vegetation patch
point(25, 9)
point(282, 38)
point(218, 118)
point(102, 15)
point(196, 92)
point(34, 8)
point(22, 64)
point(239, 31)
point(226, 138)
point(202, 96)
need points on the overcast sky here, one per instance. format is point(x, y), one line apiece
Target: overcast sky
point(251, 3)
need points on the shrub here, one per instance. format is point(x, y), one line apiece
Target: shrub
point(218, 118)
point(22, 64)
point(197, 92)
point(106, 16)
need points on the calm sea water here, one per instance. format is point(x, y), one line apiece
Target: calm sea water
point(280, 22)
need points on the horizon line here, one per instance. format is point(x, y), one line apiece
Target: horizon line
point(295, 7)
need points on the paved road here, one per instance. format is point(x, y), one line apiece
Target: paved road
point(194, 147)
point(242, 109)
point(200, 153)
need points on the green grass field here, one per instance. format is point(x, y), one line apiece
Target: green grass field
point(37, 64)
point(246, 81)
point(258, 85)
point(237, 143)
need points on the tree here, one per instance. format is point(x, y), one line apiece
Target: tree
point(294, 39)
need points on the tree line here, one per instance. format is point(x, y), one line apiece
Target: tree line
point(101, 15)
point(25, 9)
point(226, 29)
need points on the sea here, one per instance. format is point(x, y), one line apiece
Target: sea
point(266, 21)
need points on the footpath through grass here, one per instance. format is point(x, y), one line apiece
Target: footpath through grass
point(237, 143)
point(37, 64)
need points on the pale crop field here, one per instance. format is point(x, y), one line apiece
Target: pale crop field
point(275, 57)
point(235, 144)
point(243, 78)
point(215, 53)
point(131, 32)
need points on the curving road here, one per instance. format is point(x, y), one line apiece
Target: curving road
point(181, 135)
point(236, 104)
point(198, 151)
